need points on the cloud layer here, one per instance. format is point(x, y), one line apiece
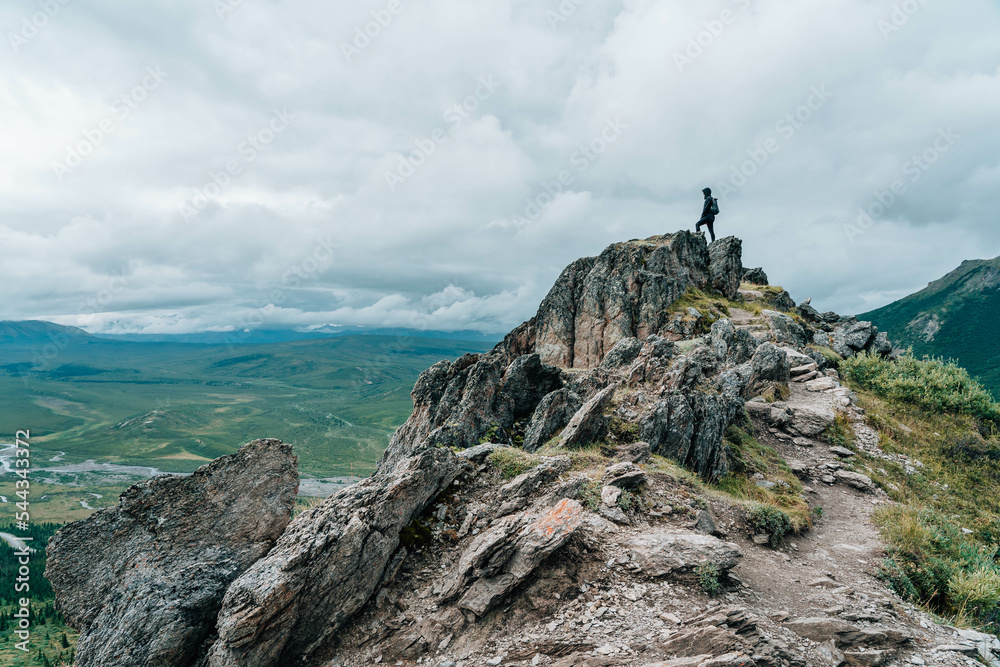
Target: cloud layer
point(191, 165)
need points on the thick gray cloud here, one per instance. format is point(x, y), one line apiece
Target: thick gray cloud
point(190, 165)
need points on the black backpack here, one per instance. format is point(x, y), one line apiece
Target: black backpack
point(715, 206)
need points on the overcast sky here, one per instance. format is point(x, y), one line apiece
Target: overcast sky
point(186, 165)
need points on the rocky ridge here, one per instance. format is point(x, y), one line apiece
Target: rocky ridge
point(528, 512)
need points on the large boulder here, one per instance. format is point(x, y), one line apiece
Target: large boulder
point(326, 565)
point(552, 414)
point(589, 423)
point(689, 429)
point(502, 557)
point(785, 330)
point(662, 553)
point(143, 581)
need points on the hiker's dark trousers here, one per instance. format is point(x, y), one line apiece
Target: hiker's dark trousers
point(708, 221)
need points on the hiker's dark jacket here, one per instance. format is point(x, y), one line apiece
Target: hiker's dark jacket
point(706, 212)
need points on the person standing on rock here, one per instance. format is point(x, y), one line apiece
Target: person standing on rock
point(708, 213)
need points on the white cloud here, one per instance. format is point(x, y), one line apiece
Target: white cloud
point(311, 227)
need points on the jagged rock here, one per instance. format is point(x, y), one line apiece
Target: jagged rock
point(589, 423)
point(517, 491)
point(326, 565)
point(610, 495)
point(779, 300)
point(454, 405)
point(625, 475)
point(143, 581)
point(690, 429)
point(662, 553)
point(871, 658)
point(726, 265)
point(635, 452)
point(821, 629)
point(809, 313)
point(623, 353)
point(735, 345)
point(784, 330)
point(755, 276)
point(499, 559)
point(551, 415)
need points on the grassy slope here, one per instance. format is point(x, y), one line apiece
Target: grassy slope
point(967, 303)
point(944, 534)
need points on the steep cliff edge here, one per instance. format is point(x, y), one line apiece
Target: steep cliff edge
point(570, 498)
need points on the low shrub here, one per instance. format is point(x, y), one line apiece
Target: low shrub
point(708, 577)
point(763, 519)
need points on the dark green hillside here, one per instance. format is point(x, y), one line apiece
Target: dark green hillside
point(956, 317)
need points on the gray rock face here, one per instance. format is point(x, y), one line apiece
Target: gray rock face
point(622, 354)
point(326, 565)
point(143, 581)
point(726, 265)
point(551, 415)
point(755, 276)
point(664, 553)
point(624, 475)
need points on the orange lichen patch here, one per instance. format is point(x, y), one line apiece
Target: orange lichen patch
point(564, 518)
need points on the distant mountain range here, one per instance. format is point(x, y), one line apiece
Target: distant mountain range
point(956, 317)
point(33, 332)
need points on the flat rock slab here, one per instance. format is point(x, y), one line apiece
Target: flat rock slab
point(143, 581)
point(663, 553)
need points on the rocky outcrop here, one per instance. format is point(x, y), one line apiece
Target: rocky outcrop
point(143, 581)
point(625, 292)
point(326, 565)
point(589, 423)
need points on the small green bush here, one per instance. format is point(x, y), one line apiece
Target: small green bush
point(892, 574)
point(976, 593)
point(708, 577)
point(627, 500)
point(933, 384)
point(512, 462)
point(768, 520)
